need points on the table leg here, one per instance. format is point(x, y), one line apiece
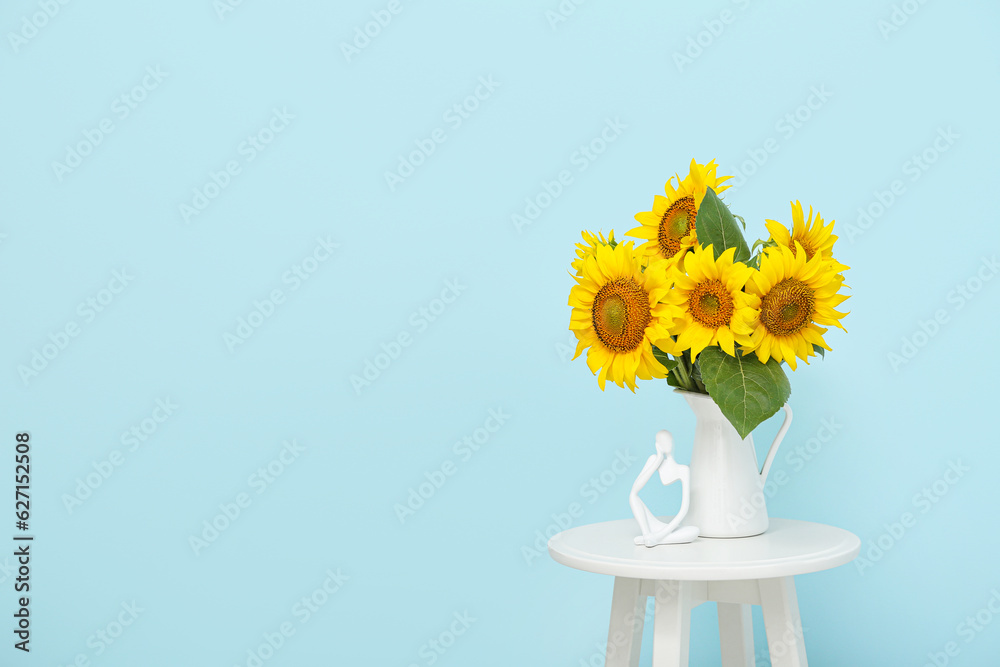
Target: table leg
point(781, 619)
point(736, 634)
point(672, 624)
point(628, 616)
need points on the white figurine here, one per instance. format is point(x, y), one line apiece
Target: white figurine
point(654, 531)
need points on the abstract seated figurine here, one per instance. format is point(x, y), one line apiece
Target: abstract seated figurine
point(654, 531)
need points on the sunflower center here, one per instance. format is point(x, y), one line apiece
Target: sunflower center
point(711, 304)
point(620, 314)
point(613, 315)
point(788, 307)
point(805, 246)
point(676, 223)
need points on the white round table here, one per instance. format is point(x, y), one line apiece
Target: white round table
point(735, 573)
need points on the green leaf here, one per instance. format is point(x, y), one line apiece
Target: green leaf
point(747, 391)
point(664, 358)
point(764, 245)
point(715, 224)
point(742, 221)
point(819, 350)
point(754, 262)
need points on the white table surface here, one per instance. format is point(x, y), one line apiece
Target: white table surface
point(788, 548)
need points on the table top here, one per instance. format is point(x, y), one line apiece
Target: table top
point(788, 548)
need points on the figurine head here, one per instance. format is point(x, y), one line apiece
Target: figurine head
point(664, 443)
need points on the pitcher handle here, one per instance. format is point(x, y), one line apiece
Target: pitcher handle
point(771, 453)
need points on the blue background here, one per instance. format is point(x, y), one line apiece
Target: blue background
point(502, 344)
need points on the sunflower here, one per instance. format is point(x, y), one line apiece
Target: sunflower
point(669, 228)
point(708, 301)
point(812, 234)
point(589, 247)
point(619, 313)
point(796, 296)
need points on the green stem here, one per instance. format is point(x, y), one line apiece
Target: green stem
point(682, 373)
point(696, 379)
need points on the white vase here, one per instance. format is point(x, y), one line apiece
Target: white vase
point(727, 489)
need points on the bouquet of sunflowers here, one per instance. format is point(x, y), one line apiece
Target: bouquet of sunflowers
point(694, 304)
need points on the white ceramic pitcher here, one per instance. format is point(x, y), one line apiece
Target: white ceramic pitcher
point(727, 489)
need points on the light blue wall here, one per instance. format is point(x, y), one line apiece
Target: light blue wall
point(336, 125)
